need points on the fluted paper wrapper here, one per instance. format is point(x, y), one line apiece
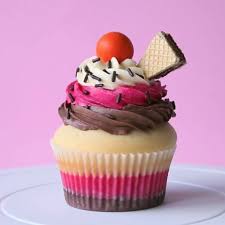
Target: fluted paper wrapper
point(113, 181)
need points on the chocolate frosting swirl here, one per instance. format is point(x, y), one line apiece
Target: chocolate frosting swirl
point(115, 121)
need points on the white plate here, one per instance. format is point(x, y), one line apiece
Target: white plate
point(34, 196)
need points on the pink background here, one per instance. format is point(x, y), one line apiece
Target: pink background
point(42, 42)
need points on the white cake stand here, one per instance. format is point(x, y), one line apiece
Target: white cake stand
point(34, 196)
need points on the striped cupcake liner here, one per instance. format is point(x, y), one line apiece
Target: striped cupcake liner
point(113, 181)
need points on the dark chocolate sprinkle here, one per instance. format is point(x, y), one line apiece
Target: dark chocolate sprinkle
point(95, 60)
point(130, 72)
point(106, 71)
point(85, 92)
point(99, 85)
point(86, 78)
point(68, 111)
point(87, 106)
point(71, 88)
point(109, 64)
point(95, 77)
point(140, 75)
point(86, 69)
point(173, 104)
point(68, 105)
point(114, 76)
point(72, 99)
point(77, 70)
point(118, 98)
point(149, 101)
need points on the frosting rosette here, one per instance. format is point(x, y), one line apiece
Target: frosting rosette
point(110, 75)
point(115, 97)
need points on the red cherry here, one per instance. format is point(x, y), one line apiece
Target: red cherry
point(114, 44)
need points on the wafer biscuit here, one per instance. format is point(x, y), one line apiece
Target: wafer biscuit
point(161, 57)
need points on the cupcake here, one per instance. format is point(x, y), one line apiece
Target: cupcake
point(115, 146)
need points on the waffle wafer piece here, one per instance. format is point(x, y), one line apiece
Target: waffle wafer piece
point(161, 57)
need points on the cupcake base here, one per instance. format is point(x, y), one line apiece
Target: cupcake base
point(112, 205)
point(114, 182)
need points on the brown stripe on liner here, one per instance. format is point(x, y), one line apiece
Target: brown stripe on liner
point(113, 205)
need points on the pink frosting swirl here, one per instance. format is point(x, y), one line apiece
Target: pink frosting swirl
point(139, 94)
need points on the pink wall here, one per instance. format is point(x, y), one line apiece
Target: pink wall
point(42, 42)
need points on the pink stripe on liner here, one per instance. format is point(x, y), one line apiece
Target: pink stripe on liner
point(126, 187)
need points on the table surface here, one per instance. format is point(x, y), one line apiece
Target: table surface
point(195, 195)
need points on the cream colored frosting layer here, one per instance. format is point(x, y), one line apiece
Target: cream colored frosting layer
point(71, 139)
point(127, 73)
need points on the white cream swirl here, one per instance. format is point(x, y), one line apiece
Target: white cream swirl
point(93, 72)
